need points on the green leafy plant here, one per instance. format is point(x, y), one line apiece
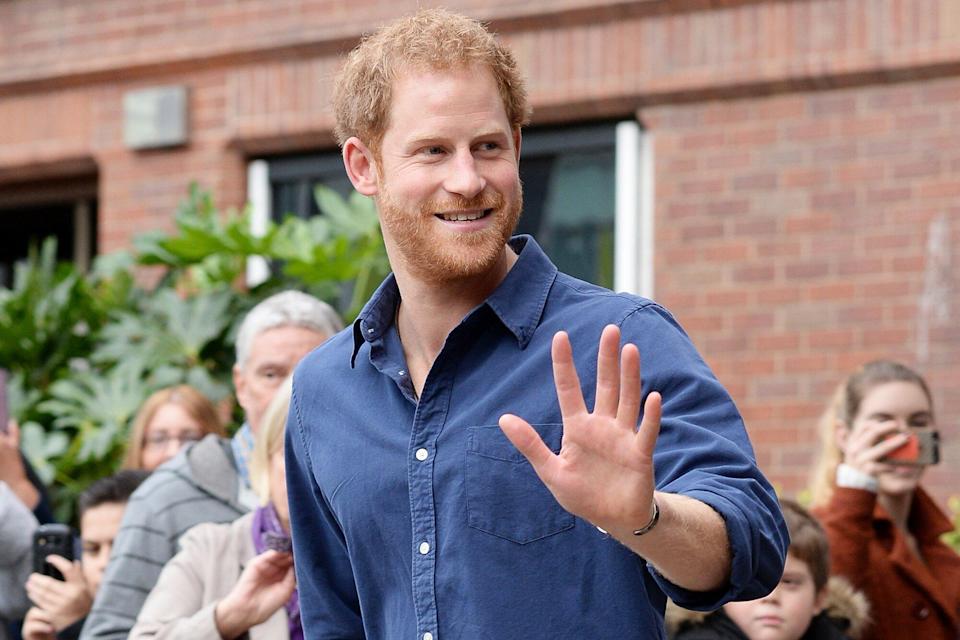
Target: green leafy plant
point(952, 539)
point(85, 350)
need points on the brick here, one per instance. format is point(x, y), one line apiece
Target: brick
point(831, 200)
point(779, 296)
point(776, 342)
point(806, 270)
point(755, 182)
point(833, 339)
point(812, 222)
point(761, 273)
point(833, 291)
point(703, 231)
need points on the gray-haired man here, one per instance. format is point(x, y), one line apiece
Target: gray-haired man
point(208, 481)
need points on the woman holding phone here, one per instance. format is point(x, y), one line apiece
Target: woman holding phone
point(236, 579)
point(878, 436)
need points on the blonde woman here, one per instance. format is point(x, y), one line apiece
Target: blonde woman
point(884, 529)
point(169, 419)
point(237, 578)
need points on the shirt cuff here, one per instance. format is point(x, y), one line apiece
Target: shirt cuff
point(851, 478)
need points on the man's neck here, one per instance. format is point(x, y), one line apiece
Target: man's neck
point(429, 311)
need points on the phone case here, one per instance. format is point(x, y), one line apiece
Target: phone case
point(51, 539)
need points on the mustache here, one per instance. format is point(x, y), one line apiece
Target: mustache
point(483, 200)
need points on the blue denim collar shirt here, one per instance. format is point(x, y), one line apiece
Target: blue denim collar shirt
point(417, 519)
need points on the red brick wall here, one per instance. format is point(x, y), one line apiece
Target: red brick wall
point(793, 239)
point(803, 150)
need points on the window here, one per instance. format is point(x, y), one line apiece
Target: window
point(30, 212)
point(569, 191)
point(582, 197)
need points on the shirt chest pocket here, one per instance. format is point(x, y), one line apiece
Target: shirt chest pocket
point(505, 498)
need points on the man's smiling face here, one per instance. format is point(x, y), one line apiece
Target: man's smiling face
point(448, 188)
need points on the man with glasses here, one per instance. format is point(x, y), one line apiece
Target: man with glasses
point(208, 481)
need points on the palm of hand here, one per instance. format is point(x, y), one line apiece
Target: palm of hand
point(604, 471)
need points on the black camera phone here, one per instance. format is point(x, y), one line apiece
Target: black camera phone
point(51, 539)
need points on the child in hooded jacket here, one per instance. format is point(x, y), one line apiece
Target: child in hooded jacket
point(806, 605)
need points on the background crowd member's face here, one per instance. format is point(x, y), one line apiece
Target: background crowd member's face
point(906, 405)
point(98, 527)
point(274, 354)
point(449, 149)
point(786, 613)
point(170, 428)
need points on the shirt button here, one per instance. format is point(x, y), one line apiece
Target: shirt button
point(402, 372)
point(370, 330)
point(424, 548)
point(921, 611)
point(422, 454)
point(427, 636)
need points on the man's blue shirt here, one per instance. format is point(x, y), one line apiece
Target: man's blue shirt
point(414, 517)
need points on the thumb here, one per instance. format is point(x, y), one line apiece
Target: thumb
point(527, 441)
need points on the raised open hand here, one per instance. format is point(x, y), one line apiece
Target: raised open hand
point(604, 471)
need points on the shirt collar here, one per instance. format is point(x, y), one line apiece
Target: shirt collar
point(518, 302)
point(926, 520)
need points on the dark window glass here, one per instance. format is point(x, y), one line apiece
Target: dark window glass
point(26, 226)
point(569, 193)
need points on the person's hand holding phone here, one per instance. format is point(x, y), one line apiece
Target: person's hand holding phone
point(38, 625)
point(63, 601)
point(869, 442)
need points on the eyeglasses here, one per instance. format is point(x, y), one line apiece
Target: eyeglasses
point(161, 439)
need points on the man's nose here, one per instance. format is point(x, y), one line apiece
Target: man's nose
point(463, 177)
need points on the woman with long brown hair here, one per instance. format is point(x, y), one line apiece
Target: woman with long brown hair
point(878, 437)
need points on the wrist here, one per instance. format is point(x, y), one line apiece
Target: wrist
point(229, 619)
point(850, 477)
point(654, 518)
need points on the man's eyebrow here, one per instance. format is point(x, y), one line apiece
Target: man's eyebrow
point(426, 139)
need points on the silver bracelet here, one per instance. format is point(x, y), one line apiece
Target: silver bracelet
point(654, 519)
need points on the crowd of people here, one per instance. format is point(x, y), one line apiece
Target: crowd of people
point(467, 460)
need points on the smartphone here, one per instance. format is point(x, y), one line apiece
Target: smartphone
point(921, 448)
point(51, 539)
point(4, 408)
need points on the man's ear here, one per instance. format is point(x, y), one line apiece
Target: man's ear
point(361, 166)
point(240, 386)
point(516, 142)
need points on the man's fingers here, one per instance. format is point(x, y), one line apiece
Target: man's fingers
point(608, 372)
point(565, 377)
point(528, 442)
point(628, 410)
point(650, 427)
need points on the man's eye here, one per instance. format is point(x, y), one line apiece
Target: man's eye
point(489, 146)
point(433, 151)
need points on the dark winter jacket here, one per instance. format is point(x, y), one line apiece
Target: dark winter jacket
point(843, 618)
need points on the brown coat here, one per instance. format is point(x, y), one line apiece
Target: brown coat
point(206, 569)
point(909, 598)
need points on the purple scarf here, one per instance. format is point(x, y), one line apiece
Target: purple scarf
point(269, 534)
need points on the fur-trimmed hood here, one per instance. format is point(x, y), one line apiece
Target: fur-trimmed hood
point(848, 607)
